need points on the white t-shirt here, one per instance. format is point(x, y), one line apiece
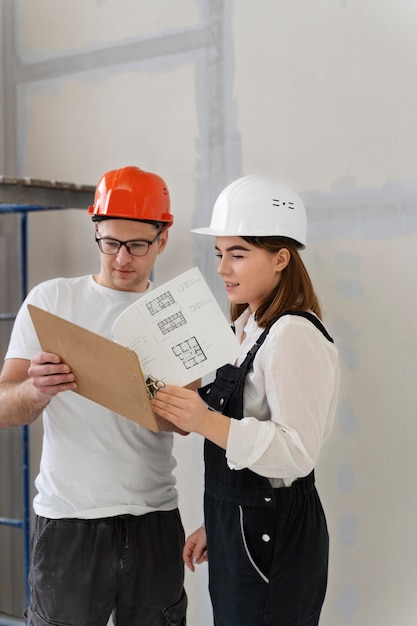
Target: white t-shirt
point(94, 463)
point(289, 399)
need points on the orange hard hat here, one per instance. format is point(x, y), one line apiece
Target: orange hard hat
point(133, 194)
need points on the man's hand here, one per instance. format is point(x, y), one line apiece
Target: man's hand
point(49, 375)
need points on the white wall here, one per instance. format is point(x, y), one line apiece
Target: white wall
point(321, 95)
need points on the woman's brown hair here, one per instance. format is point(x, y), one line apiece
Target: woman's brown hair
point(295, 290)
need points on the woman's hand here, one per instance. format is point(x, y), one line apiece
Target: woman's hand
point(195, 549)
point(187, 411)
point(183, 407)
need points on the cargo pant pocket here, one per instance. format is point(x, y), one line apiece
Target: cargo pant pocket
point(175, 614)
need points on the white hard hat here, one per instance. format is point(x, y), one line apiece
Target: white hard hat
point(257, 206)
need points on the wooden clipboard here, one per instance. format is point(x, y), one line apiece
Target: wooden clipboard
point(105, 371)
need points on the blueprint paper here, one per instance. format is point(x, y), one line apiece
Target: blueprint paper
point(178, 331)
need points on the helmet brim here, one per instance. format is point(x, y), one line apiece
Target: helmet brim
point(222, 233)
point(207, 231)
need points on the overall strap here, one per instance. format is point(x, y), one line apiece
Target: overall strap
point(313, 319)
point(310, 316)
point(243, 487)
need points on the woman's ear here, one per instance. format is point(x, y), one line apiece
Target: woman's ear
point(282, 259)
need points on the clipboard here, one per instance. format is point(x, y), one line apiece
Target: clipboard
point(105, 371)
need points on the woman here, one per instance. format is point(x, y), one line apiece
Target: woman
point(264, 418)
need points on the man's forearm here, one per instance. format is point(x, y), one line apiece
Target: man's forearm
point(20, 403)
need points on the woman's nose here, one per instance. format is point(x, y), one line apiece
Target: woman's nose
point(222, 267)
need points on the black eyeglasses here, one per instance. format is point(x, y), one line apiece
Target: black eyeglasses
point(135, 247)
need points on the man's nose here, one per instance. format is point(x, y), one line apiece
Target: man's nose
point(123, 252)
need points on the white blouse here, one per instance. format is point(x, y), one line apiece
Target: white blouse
point(289, 400)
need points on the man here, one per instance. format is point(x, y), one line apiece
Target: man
point(108, 536)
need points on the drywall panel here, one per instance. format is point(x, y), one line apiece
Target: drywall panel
point(366, 474)
point(321, 95)
point(50, 28)
point(325, 95)
point(326, 90)
point(78, 128)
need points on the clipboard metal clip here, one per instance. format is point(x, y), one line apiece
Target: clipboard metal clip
point(153, 385)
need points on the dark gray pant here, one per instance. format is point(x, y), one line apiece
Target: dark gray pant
point(83, 571)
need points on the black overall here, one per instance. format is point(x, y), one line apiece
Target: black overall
point(267, 548)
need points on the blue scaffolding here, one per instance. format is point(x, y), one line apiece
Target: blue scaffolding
point(22, 197)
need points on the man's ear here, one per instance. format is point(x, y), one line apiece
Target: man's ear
point(282, 259)
point(163, 240)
